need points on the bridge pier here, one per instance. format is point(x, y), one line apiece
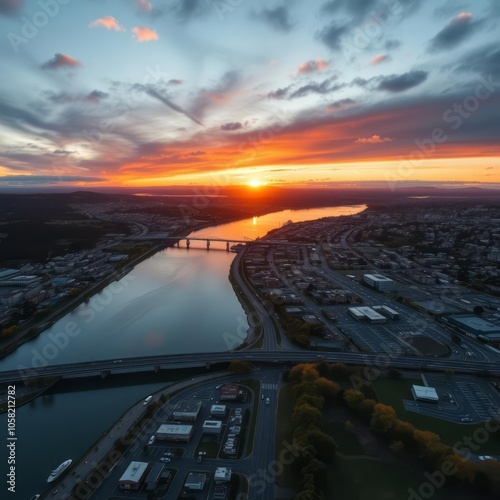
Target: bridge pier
point(208, 244)
point(227, 246)
point(187, 243)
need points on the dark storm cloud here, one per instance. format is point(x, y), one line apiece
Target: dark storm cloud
point(400, 83)
point(165, 100)
point(485, 60)
point(231, 126)
point(324, 87)
point(332, 34)
point(278, 18)
point(458, 30)
point(186, 10)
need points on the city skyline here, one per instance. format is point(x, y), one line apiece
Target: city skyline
point(259, 93)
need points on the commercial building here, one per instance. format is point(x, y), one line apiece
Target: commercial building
point(134, 476)
point(195, 481)
point(387, 312)
point(154, 476)
point(229, 392)
point(222, 474)
point(171, 432)
point(366, 314)
point(427, 394)
point(218, 410)
point(379, 282)
point(212, 427)
point(187, 410)
point(477, 326)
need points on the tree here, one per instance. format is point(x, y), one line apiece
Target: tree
point(396, 446)
point(240, 366)
point(478, 310)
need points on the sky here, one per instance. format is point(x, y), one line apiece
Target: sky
point(197, 92)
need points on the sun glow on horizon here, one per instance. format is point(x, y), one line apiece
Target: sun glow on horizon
point(255, 183)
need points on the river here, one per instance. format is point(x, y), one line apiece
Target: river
point(177, 301)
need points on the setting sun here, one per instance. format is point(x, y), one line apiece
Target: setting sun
point(255, 183)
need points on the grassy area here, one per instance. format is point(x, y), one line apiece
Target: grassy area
point(392, 392)
point(286, 402)
point(254, 386)
point(209, 446)
point(347, 442)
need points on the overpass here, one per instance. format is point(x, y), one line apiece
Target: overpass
point(285, 358)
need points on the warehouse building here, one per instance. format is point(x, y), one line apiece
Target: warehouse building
point(172, 432)
point(379, 282)
point(212, 427)
point(426, 394)
point(134, 476)
point(218, 410)
point(195, 481)
point(187, 410)
point(154, 476)
point(222, 474)
point(366, 314)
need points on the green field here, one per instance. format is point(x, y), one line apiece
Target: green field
point(392, 392)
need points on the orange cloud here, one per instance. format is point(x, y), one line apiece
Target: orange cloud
point(312, 67)
point(144, 5)
point(374, 139)
point(108, 22)
point(143, 34)
point(380, 59)
point(60, 60)
point(463, 16)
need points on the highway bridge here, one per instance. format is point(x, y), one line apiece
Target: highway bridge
point(284, 358)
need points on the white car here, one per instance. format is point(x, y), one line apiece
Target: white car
point(147, 400)
point(267, 401)
point(165, 460)
point(151, 439)
point(486, 457)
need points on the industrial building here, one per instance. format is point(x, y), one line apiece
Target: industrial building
point(229, 392)
point(366, 314)
point(172, 432)
point(187, 410)
point(154, 476)
point(212, 427)
point(423, 393)
point(471, 323)
point(218, 410)
point(195, 481)
point(222, 474)
point(134, 476)
point(379, 282)
point(387, 312)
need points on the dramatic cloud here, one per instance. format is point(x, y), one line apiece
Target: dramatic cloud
point(380, 59)
point(143, 34)
point(191, 9)
point(374, 139)
point(153, 93)
point(400, 83)
point(279, 93)
point(459, 29)
point(315, 66)
point(331, 35)
point(325, 87)
point(175, 81)
point(278, 18)
point(108, 22)
point(392, 44)
point(231, 126)
point(60, 61)
point(8, 7)
point(47, 179)
point(485, 60)
point(144, 5)
point(340, 104)
point(63, 98)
